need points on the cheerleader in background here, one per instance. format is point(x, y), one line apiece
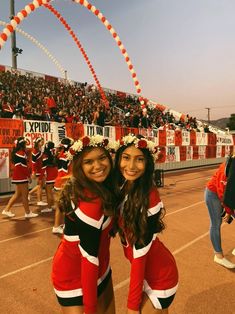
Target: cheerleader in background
point(64, 173)
point(21, 178)
point(36, 170)
point(49, 168)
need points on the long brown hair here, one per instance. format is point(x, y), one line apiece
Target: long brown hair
point(135, 209)
point(75, 187)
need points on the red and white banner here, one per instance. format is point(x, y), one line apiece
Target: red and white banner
point(34, 129)
point(224, 139)
point(10, 130)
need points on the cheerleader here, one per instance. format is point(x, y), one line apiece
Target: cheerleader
point(81, 272)
point(36, 170)
point(153, 275)
point(64, 172)
point(21, 178)
point(49, 168)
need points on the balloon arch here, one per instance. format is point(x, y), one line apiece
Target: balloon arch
point(37, 3)
point(79, 45)
point(39, 45)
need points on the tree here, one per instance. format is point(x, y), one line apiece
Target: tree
point(231, 123)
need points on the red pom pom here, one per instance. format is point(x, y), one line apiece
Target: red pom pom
point(89, 6)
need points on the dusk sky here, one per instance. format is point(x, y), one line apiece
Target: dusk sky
point(183, 51)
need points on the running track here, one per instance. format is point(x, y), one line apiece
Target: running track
point(27, 247)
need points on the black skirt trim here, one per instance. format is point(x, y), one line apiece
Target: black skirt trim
point(78, 301)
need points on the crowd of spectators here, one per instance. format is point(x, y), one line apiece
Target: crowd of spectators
point(35, 98)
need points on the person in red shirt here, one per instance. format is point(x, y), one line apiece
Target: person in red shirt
point(214, 194)
point(153, 274)
point(21, 178)
point(81, 272)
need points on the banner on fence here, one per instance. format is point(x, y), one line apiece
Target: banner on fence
point(223, 139)
point(34, 129)
point(185, 138)
point(10, 130)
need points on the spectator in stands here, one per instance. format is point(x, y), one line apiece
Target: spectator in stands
point(20, 178)
point(54, 98)
point(7, 108)
point(153, 275)
point(81, 272)
point(214, 194)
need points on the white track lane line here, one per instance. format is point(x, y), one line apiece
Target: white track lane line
point(181, 209)
point(26, 267)
point(25, 235)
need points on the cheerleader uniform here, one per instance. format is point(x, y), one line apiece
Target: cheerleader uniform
point(64, 170)
point(81, 270)
point(153, 267)
point(36, 162)
point(49, 168)
point(21, 171)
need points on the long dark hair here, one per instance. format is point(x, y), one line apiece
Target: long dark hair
point(78, 183)
point(20, 144)
point(48, 151)
point(135, 210)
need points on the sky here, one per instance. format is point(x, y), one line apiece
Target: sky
point(183, 51)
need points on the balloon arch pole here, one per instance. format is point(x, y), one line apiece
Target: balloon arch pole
point(82, 50)
point(37, 3)
point(41, 46)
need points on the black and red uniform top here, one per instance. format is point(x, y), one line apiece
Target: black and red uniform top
point(81, 263)
point(49, 168)
point(36, 161)
point(153, 267)
point(21, 171)
point(64, 170)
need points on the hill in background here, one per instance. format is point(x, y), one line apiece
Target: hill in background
point(220, 123)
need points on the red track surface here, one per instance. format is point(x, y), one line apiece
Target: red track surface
point(27, 247)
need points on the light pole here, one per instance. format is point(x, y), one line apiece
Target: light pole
point(13, 37)
point(208, 115)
